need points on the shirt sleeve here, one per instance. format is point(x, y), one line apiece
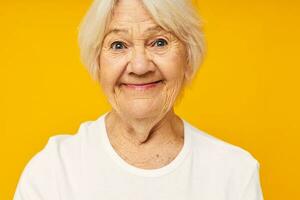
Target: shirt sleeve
point(37, 181)
point(252, 190)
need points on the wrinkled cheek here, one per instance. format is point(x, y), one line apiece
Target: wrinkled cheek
point(110, 74)
point(170, 93)
point(116, 94)
point(109, 90)
point(115, 98)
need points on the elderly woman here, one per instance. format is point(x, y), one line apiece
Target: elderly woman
point(143, 53)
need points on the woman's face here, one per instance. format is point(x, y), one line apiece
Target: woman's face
point(142, 67)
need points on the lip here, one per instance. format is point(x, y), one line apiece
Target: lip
point(142, 86)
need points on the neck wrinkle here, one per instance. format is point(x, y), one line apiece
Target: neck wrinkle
point(145, 133)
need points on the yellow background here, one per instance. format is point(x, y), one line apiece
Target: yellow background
point(246, 93)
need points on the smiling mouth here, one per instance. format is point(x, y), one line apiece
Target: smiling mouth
point(142, 86)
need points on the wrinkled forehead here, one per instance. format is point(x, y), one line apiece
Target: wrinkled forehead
point(135, 30)
point(130, 16)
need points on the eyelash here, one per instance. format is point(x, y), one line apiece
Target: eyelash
point(152, 44)
point(160, 39)
point(116, 42)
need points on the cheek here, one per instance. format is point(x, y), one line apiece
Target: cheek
point(169, 94)
point(171, 65)
point(110, 71)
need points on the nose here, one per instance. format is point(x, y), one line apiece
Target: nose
point(140, 63)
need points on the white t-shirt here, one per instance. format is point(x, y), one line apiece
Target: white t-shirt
point(85, 166)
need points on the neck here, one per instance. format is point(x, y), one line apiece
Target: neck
point(144, 132)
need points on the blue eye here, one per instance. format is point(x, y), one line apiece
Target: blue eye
point(160, 42)
point(117, 45)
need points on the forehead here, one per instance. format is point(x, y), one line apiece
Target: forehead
point(131, 11)
point(151, 30)
point(131, 17)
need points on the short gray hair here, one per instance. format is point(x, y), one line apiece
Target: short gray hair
point(177, 16)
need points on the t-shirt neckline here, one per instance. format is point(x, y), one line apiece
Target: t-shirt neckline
point(139, 171)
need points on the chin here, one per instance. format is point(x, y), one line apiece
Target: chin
point(142, 111)
point(141, 107)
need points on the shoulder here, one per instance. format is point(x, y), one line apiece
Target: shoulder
point(60, 144)
point(68, 149)
point(230, 163)
point(39, 177)
point(219, 151)
point(69, 142)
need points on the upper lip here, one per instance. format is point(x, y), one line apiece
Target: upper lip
point(144, 83)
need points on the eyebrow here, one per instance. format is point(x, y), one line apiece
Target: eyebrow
point(149, 30)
